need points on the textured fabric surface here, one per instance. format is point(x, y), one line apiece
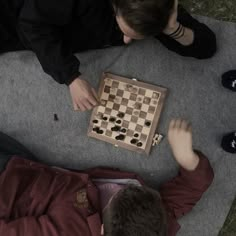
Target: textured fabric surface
point(29, 100)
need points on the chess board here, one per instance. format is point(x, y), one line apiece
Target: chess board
point(128, 113)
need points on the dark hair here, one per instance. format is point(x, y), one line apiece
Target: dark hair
point(135, 211)
point(146, 17)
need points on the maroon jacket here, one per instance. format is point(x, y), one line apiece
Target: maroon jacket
point(38, 200)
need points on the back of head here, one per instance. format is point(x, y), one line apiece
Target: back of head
point(135, 211)
point(146, 17)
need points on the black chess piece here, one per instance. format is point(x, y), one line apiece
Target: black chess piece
point(148, 123)
point(139, 144)
point(123, 130)
point(228, 142)
point(229, 80)
point(120, 137)
point(96, 129)
point(121, 115)
point(112, 119)
point(116, 128)
point(133, 141)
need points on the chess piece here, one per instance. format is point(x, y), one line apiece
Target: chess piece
point(127, 87)
point(112, 119)
point(133, 141)
point(117, 100)
point(157, 139)
point(146, 100)
point(155, 95)
point(120, 137)
point(133, 90)
point(121, 115)
point(103, 102)
point(137, 106)
point(115, 128)
point(148, 123)
point(139, 144)
point(99, 116)
point(113, 90)
point(154, 102)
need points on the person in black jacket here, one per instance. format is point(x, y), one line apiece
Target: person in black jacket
point(55, 30)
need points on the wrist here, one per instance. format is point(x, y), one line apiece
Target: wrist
point(192, 161)
point(172, 29)
point(72, 78)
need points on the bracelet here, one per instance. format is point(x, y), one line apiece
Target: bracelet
point(181, 35)
point(176, 32)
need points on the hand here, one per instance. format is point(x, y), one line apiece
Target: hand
point(180, 139)
point(84, 97)
point(173, 23)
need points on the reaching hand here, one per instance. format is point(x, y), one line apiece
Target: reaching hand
point(84, 97)
point(180, 139)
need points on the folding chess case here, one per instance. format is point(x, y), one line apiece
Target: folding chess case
point(128, 113)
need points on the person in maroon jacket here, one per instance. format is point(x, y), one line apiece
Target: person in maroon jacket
point(39, 200)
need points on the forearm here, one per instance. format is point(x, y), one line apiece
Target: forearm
point(191, 161)
point(181, 193)
point(181, 34)
point(55, 58)
point(198, 40)
point(41, 24)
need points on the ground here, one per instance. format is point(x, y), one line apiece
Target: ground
point(218, 9)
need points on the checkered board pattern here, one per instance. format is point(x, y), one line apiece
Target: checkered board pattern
point(128, 114)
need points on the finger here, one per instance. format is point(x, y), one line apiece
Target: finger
point(92, 100)
point(95, 94)
point(189, 127)
point(87, 105)
point(172, 124)
point(178, 123)
point(184, 124)
point(76, 108)
point(81, 106)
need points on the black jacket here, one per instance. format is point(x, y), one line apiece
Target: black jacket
point(55, 30)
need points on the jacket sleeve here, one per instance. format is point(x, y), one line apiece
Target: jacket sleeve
point(180, 194)
point(61, 219)
point(204, 44)
point(43, 225)
point(40, 27)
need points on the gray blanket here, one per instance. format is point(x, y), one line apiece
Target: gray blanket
point(29, 100)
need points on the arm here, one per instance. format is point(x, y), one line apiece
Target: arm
point(60, 220)
point(195, 176)
point(40, 26)
point(43, 225)
point(198, 40)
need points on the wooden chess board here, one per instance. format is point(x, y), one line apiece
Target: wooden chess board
point(128, 113)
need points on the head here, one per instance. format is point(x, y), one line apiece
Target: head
point(138, 19)
point(135, 211)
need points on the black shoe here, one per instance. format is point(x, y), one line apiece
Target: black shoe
point(228, 142)
point(229, 80)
